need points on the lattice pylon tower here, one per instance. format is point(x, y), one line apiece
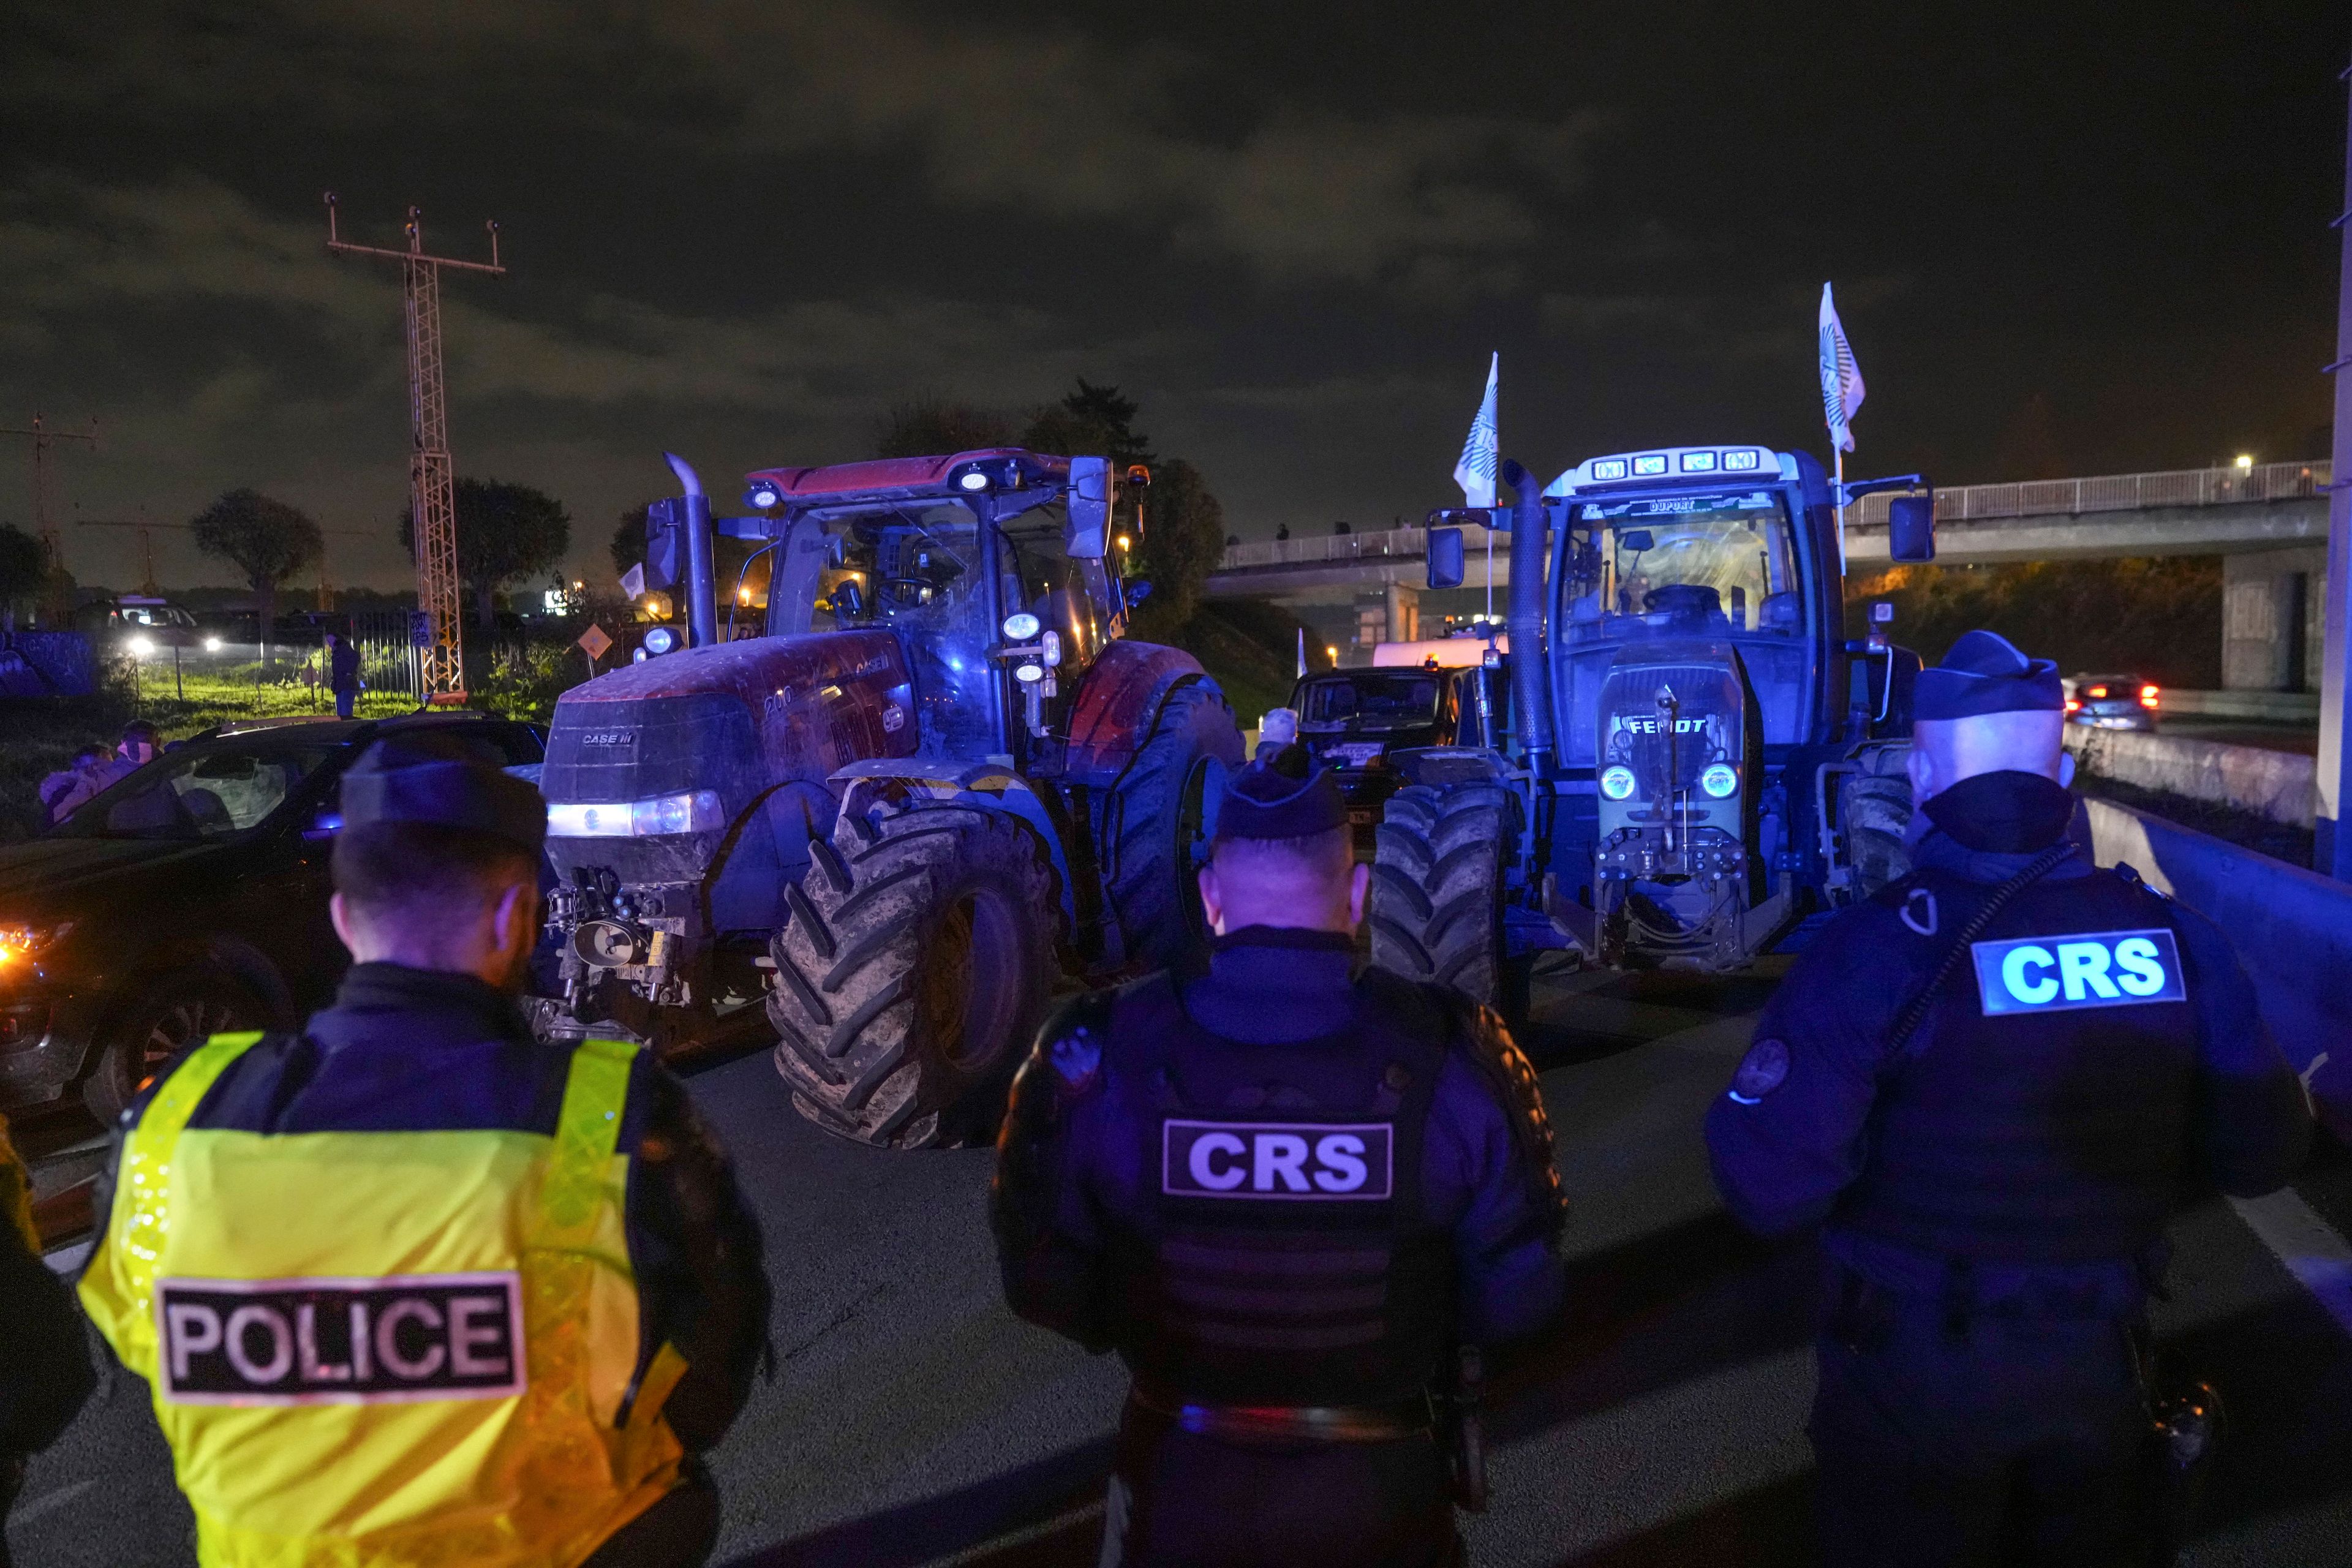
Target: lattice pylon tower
point(432, 489)
point(432, 484)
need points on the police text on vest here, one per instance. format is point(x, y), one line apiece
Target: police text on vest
point(1314, 1162)
point(341, 1340)
point(2091, 969)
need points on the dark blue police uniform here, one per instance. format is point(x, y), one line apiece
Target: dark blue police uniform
point(1284, 1195)
point(1994, 1187)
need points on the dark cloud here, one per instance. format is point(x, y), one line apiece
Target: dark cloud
point(742, 228)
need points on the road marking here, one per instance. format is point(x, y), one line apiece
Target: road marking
point(2307, 1245)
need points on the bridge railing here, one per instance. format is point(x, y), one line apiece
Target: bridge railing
point(1953, 503)
point(1314, 549)
point(2113, 492)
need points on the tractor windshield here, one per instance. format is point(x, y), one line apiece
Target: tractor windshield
point(1682, 564)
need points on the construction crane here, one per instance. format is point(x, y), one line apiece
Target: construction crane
point(146, 541)
point(55, 605)
point(431, 484)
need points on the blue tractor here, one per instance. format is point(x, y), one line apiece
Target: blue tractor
point(1701, 758)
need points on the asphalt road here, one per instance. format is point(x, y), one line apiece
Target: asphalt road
point(911, 1419)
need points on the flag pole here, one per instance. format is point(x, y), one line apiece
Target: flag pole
point(1841, 509)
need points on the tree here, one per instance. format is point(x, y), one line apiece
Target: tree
point(504, 531)
point(1092, 421)
point(24, 570)
point(264, 538)
point(629, 537)
point(932, 425)
point(1183, 539)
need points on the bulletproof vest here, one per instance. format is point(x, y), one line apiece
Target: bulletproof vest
point(1284, 1256)
point(2041, 1114)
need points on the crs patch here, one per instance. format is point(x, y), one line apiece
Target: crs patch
point(1294, 1161)
point(2092, 969)
point(392, 1340)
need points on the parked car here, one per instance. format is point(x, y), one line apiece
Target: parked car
point(136, 623)
point(188, 898)
point(2113, 701)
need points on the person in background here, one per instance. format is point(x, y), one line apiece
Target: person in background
point(1297, 1201)
point(1992, 1084)
point(342, 673)
point(63, 792)
point(525, 1290)
point(1278, 728)
point(136, 749)
point(45, 1368)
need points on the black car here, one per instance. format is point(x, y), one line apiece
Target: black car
point(187, 899)
point(1350, 720)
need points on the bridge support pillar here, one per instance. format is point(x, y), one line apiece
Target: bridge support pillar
point(2332, 849)
point(1404, 613)
point(2271, 619)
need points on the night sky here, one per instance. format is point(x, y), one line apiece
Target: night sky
point(2066, 239)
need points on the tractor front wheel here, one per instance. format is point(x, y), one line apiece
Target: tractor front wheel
point(916, 963)
point(1437, 905)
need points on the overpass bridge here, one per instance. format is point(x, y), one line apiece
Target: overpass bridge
point(2269, 521)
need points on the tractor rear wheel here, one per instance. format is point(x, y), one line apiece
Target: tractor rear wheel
point(1436, 904)
point(1877, 812)
point(1156, 823)
point(916, 963)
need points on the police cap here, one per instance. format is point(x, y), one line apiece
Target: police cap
point(1284, 796)
point(434, 779)
point(1986, 673)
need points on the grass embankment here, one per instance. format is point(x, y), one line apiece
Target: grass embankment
point(2160, 618)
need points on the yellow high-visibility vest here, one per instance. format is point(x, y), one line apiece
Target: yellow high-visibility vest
point(389, 1350)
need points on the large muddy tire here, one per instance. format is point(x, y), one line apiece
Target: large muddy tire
point(1436, 904)
point(1156, 822)
point(1877, 811)
point(914, 965)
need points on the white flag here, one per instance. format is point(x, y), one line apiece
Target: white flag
point(1476, 472)
point(633, 582)
point(1842, 389)
point(1302, 653)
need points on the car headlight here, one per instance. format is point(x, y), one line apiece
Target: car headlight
point(1721, 780)
point(20, 945)
point(697, 810)
point(1617, 783)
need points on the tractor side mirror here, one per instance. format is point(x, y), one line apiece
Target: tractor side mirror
point(1445, 568)
point(1911, 529)
point(664, 541)
point(1085, 536)
point(1638, 541)
point(848, 601)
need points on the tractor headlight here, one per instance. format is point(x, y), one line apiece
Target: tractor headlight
point(660, 640)
point(1721, 780)
point(762, 496)
point(1029, 673)
point(1019, 626)
point(1050, 649)
point(972, 479)
point(1617, 783)
point(697, 810)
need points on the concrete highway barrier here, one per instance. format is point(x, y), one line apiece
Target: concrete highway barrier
point(2293, 929)
point(2279, 786)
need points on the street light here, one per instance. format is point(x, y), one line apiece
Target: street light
point(2245, 462)
point(1331, 652)
point(1122, 541)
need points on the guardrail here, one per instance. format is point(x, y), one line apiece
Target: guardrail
point(2113, 492)
point(1314, 549)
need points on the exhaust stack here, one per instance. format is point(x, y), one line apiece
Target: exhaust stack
point(701, 588)
point(1530, 660)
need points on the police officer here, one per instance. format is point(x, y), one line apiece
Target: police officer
point(1286, 1197)
point(45, 1371)
point(1993, 1083)
point(408, 1286)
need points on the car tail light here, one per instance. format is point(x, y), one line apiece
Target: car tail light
point(2147, 696)
point(2096, 693)
point(2074, 705)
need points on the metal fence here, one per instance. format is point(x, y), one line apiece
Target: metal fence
point(1315, 548)
point(2114, 492)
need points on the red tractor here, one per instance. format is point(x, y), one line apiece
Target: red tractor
point(887, 828)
